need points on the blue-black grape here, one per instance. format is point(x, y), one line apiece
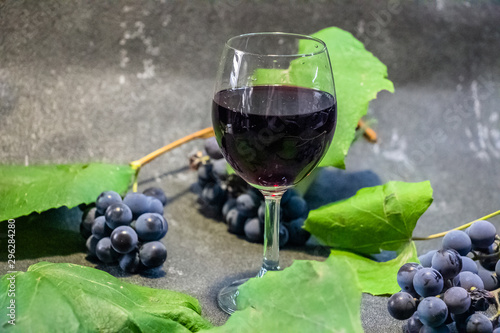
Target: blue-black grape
point(284, 235)
point(212, 148)
point(413, 325)
point(105, 252)
point(457, 240)
point(246, 205)
point(155, 206)
point(405, 276)
point(254, 230)
point(447, 262)
point(295, 207)
point(401, 305)
point(105, 199)
point(496, 330)
point(153, 254)
point(118, 214)
point(151, 227)
point(467, 280)
point(228, 205)
point(157, 193)
point(478, 323)
point(428, 282)
point(219, 169)
point(100, 228)
point(236, 222)
point(124, 239)
point(131, 262)
point(457, 299)
point(440, 329)
point(490, 280)
point(205, 174)
point(432, 311)
point(137, 202)
point(91, 244)
point(482, 234)
point(298, 235)
point(426, 259)
point(288, 195)
point(213, 194)
point(88, 219)
point(469, 265)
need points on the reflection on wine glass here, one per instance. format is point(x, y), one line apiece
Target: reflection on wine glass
point(274, 114)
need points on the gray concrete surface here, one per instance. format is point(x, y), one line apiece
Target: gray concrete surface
point(113, 80)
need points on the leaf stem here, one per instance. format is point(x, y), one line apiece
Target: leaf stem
point(201, 134)
point(462, 227)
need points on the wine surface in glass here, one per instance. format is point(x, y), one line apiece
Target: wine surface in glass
point(274, 136)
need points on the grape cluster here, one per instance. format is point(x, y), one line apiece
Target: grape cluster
point(228, 198)
point(127, 231)
point(448, 287)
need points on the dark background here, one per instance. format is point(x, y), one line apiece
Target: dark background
point(111, 81)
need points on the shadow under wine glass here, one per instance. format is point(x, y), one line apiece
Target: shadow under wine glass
point(274, 115)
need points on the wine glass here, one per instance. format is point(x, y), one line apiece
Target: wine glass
point(274, 114)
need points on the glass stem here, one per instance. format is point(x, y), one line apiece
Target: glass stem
point(270, 260)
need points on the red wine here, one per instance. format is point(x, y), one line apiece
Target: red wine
point(274, 136)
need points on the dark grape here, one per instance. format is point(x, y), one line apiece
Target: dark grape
point(213, 194)
point(447, 262)
point(432, 311)
point(406, 274)
point(219, 169)
point(468, 280)
point(228, 205)
point(298, 235)
point(246, 205)
point(124, 239)
point(469, 265)
point(457, 240)
point(261, 212)
point(100, 229)
point(482, 234)
point(236, 222)
point(479, 323)
point(212, 148)
point(91, 244)
point(426, 259)
point(105, 199)
point(414, 324)
point(88, 219)
point(157, 193)
point(118, 214)
point(254, 230)
point(105, 252)
point(151, 227)
point(457, 299)
point(401, 305)
point(205, 174)
point(295, 207)
point(284, 235)
point(288, 195)
point(489, 279)
point(131, 262)
point(428, 282)
point(153, 254)
point(496, 330)
point(440, 329)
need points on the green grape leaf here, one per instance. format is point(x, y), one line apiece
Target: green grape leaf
point(376, 218)
point(309, 296)
point(358, 76)
point(40, 187)
point(69, 298)
point(378, 278)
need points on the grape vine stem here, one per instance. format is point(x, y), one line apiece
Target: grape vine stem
point(462, 227)
point(136, 165)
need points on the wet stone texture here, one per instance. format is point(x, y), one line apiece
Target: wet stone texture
point(111, 81)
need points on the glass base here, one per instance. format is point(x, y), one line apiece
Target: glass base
point(227, 296)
